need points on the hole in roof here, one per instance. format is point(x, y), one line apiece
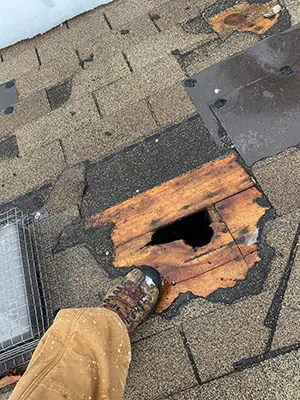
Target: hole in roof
point(194, 230)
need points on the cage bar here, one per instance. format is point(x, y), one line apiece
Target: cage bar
point(26, 309)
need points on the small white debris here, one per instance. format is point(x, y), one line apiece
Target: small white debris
point(156, 140)
point(217, 91)
point(53, 342)
point(149, 281)
point(273, 11)
point(107, 253)
point(232, 146)
point(137, 191)
point(253, 238)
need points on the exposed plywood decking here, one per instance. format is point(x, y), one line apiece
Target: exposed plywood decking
point(226, 190)
point(245, 17)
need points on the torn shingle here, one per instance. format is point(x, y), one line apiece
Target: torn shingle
point(67, 191)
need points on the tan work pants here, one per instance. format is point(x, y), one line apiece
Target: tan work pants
point(85, 355)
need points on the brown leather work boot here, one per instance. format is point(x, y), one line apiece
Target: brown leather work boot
point(136, 296)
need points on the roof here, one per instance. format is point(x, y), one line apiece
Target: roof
point(102, 115)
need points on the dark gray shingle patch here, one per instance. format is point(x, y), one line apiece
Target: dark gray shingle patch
point(9, 148)
point(59, 94)
point(8, 95)
point(147, 164)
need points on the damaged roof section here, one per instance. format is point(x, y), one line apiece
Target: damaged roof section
point(245, 17)
point(163, 228)
point(253, 97)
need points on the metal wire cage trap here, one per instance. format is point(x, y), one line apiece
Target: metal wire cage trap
point(26, 308)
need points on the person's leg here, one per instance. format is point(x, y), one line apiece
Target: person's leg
point(86, 352)
point(84, 355)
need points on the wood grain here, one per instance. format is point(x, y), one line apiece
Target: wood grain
point(252, 258)
point(241, 214)
point(244, 17)
point(224, 276)
point(222, 187)
point(177, 198)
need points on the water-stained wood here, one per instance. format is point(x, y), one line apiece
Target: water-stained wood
point(222, 187)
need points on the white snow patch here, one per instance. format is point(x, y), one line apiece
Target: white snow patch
point(22, 19)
